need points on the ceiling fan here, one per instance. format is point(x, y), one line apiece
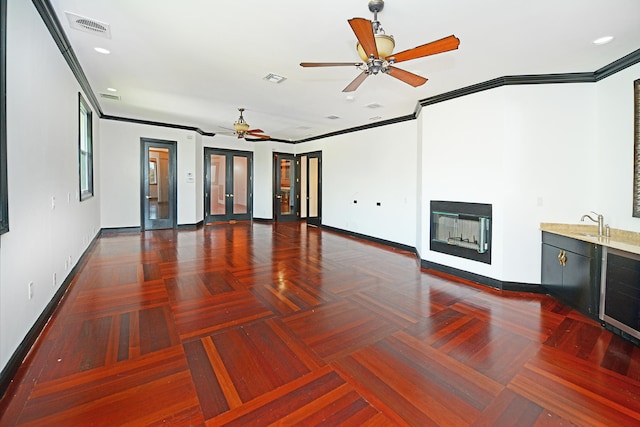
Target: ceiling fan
point(242, 129)
point(375, 48)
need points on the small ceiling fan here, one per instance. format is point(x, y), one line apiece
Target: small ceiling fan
point(242, 129)
point(375, 48)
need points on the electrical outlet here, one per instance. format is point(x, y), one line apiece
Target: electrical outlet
point(30, 286)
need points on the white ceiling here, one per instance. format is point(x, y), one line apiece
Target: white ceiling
point(195, 62)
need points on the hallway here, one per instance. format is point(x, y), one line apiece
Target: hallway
point(258, 323)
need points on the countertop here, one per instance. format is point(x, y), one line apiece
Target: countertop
point(623, 240)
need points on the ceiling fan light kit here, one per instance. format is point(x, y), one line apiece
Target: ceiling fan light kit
point(375, 48)
point(242, 128)
point(384, 45)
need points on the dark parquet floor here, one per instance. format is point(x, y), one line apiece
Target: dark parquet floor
point(283, 324)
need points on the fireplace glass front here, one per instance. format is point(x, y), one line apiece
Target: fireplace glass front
point(461, 229)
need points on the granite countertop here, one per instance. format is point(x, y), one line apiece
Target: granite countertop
point(620, 239)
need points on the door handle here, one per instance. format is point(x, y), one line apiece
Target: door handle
point(278, 196)
point(148, 197)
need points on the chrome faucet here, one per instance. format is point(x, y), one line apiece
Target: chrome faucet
point(600, 222)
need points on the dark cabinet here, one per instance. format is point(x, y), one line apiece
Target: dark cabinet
point(571, 272)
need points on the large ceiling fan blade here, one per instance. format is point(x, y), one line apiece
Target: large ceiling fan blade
point(252, 137)
point(356, 82)
point(256, 133)
point(363, 29)
point(407, 77)
point(443, 45)
point(330, 64)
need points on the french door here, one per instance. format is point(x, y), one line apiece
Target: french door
point(158, 184)
point(286, 194)
point(228, 185)
point(311, 187)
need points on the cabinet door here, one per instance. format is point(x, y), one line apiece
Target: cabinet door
point(576, 282)
point(551, 269)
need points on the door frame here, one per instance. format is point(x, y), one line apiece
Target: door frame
point(172, 221)
point(229, 154)
point(295, 214)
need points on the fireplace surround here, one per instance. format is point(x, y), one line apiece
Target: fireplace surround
point(461, 229)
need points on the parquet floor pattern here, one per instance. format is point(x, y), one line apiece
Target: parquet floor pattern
point(259, 324)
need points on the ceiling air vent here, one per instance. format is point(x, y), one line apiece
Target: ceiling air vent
point(88, 25)
point(109, 96)
point(332, 117)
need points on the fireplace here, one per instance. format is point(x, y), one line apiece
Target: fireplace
point(461, 229)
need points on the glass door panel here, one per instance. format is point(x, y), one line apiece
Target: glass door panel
point(314, 185)
point(218, 191)
point(285, 190)
point(240, 194)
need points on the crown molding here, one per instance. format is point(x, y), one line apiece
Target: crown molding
point(359, 128)
point(616, 66)
point(153, 123)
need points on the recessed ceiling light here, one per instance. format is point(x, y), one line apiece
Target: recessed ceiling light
point(375, 118)
point(374, 105)
point(110, 89)
point(274, 78)
point(603, 40)
point(332, 117)
point(102, 50)
point(350, 98)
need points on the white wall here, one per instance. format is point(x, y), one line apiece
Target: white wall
point(120, 176)
point(42, 153)
point(462, 160)
point(376, 165)
point(531, 151)
point(615, 149)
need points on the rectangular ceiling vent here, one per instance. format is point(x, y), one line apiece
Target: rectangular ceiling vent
point(88, 25)
point(109, 96)
point(274, 78)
